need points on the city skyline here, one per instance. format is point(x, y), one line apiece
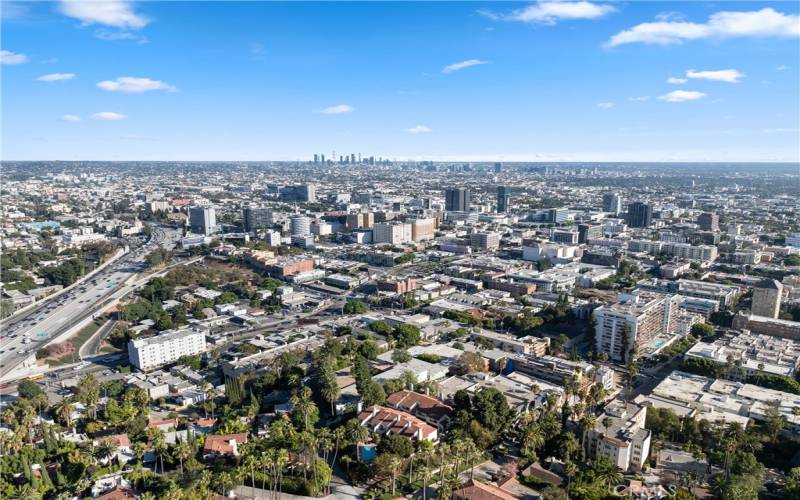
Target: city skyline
point(476, 81)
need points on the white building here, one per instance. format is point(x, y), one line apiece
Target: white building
point(752, 354)
point(167, 347)
point(300, 225)
point(395, 233)
point(619, 435)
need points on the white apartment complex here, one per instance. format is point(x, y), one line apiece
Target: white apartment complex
point(152, 352)
point(753, 354)
point(625, 442)
point(395, 233)
point(642, 317)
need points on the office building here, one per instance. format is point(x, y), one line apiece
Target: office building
point(498, 167)
point(612, 202)
point(457, 200)
point(564, 236)
point(767, 298)
point(300, 225)
point(625, 442)
point(637, 323)
point(202, 220)
point(588, 232)
point(484, 241)
point(423, 229)
point(395, 233)
point(361, 220)
point(256, 218)
point(306, 193)
point(167, 347)
point(640, 214)
point(273, 238)
point(708, 221)
point(793, 240)
point(503, 197)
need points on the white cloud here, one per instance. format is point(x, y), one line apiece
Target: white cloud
point(676, 81)
point(71, 118)
point(108, 116)
point(761, 23)
point(419, 129)
point(462, 65)
point(639, 98)
point(782, 67)
point(115, 13)
point(682, 96)
point(56, 77)
point(337, 110)
point(605, 105)
point(113, 36)
point(550, 12)
point(133, 85)
point(8, 57)
point(721, 75)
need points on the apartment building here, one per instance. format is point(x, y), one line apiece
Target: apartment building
point(619, 435)
point(752, 353)
point(634, 323)
point(484, 241)
point(167, 347)
point(510, 343)
point(767, 298)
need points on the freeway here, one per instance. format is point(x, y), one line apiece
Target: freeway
point(24, 335)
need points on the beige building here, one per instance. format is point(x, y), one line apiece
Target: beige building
point(619, 435)
point(767, 299)
point(395, 233)
point(423, 229)
point(361, 220)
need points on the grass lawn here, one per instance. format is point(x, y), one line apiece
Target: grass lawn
point(77, 342)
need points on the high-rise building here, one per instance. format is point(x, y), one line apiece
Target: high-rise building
point(640, 214)
point(255, 218)
point(708, 221)
point(395, 233)
point(457, 200)
point(423, 229)
point(360, 220)
point(300, 225)
point(588, 232)
point(767, 298)
point(498, 167)
point(316, 158)
point(636, 320)
point(353, 158)
point(612, 203)
point(202, 220)
point(503, 197)
point(302, 193)
point(484, 241)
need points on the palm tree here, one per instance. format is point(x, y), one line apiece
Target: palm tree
point(225, 481)
point(338, 437)
point(356, 433)
point(182, 452)
point(607, 422)
point(570, 470)
point(64, 411)
point(606, 472)
point(250, 463)
point(105, 450)
point(304, 403)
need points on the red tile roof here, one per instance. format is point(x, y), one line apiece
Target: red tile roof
point(474, 490)
point(394, 421)
point(222, 443)
point(416, 403)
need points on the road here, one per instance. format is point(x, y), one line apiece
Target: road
point(24, 335)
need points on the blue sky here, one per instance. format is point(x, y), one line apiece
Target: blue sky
point(622, 81)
